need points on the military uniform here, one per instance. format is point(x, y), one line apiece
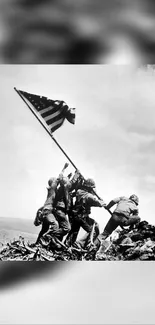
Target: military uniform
point(61, 206)
point(85, 240)
point(63, 201)
point(51, 192)
point(49, 216)
point(81, 211)
point(125, 214)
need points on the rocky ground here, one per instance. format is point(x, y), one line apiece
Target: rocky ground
point(131, 244)
point(22, 250)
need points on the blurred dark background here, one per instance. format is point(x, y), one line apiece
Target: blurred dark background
point(77, 32)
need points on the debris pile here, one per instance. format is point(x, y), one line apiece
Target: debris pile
point(20, 250)
point(134, 243)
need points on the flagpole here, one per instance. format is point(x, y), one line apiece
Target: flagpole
point(51, 135)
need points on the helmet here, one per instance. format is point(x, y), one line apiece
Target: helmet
point(51, 180)
point(90, 183)
point(134, 198)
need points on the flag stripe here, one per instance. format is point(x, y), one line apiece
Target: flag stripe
point(45, 110)
point(51, 116)
point(56, 123)
point(52, 112)
point(54, 128)
point(55, 119)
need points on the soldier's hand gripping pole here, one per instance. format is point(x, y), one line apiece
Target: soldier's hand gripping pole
point(101, 200)
point(94, 192)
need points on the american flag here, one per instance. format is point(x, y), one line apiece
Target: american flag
point(52, 112)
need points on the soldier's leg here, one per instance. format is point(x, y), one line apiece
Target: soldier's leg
point(131, 221)
point(53, 223)
point(91, 237)
point(53, 232)
point(49, 224)
point(73, 233)
point(79, 221)
point(64, 224)
point(83, 240)
point(111, 225)
point(96, 231)
point(44, 229)
point(87, 226)
point(84, 224)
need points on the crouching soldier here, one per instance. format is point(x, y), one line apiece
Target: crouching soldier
point(125, 214)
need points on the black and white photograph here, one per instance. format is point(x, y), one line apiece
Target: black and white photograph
point(77, 163)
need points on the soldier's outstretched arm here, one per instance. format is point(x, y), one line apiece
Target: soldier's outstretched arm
point(110, 204)
point(76, 179)
point(61, 175)
point(94, 201)
point(65, 166)
point(113, 202)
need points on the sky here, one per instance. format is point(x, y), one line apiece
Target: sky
point(112, 140)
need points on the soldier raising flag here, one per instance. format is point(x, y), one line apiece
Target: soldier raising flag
point(52, 114)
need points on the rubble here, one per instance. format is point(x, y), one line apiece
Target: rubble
point(20, 250)
point(133, 243)
point(130, 244)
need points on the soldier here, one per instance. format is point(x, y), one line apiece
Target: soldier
point(85, 199)
point(61, 205)
point(63, 201)
point(51, 191)
point(125, 214)
point(58, 205)
point(49, 220)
